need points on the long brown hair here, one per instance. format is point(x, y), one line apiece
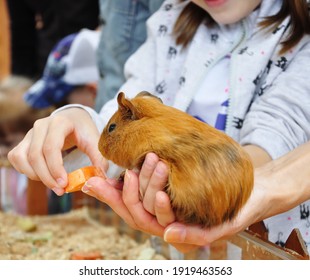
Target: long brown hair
point(298, 11)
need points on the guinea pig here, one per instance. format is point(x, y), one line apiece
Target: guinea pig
point(210, 175)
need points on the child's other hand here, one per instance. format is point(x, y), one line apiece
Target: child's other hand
point(39, 154)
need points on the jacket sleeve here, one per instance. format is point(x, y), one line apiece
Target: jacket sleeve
point(279, 120)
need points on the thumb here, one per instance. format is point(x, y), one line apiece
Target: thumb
point(97, 159)
point(88, 143)
point(189, 234)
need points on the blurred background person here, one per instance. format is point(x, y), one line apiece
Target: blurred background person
point(70, 75)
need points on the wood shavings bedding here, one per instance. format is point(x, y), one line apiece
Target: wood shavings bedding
point(65, 236)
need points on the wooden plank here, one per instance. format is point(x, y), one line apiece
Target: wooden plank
point(37, 199)
point(4, 40)
point(296, 243)
point(254, 247)
point(259, 229)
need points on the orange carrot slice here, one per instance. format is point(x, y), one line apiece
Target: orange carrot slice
point(77, 178)
point(94, 255)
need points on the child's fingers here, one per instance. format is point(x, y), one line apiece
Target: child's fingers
point(195, 234)
point(143, 219)
point(163, 210)
point(146, 171)
point(157, 183)
point(18, 157)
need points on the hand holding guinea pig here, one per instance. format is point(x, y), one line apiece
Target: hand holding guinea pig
point(210, 175)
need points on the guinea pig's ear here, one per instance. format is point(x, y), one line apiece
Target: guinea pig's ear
point(125, 107)
point(147, 94)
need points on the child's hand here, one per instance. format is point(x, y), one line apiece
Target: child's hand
point(39, 154)
point(125, 200)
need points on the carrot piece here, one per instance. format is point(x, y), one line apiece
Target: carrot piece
point(77, 178)
point(93, 255)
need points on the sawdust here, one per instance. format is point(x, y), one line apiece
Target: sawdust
point(59, 237)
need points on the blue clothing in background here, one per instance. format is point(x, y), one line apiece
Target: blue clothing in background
point(123, 31)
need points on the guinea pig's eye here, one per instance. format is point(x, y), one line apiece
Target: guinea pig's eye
point(111, 127)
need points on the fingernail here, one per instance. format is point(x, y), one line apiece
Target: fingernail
point(127, 176)
point(86, 188)
point(175, 234)
point(58, 191)
point(61, 182)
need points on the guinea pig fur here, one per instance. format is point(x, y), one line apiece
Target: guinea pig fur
point(210, 175)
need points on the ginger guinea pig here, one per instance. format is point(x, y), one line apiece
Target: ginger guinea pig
point(210, 175)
